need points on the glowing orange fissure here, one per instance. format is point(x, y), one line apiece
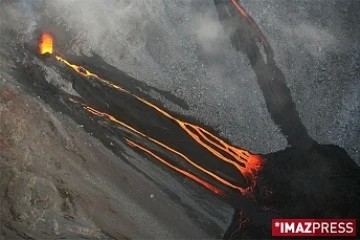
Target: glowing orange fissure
point(46, 44)
point(159, 143)
point(187, 174)
point(243, 12)
point(248, 164)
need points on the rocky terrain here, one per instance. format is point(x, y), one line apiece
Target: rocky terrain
point(59, 182)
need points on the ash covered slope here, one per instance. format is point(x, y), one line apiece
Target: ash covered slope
point(58, 181)
point(316, 45)
point(54, 182)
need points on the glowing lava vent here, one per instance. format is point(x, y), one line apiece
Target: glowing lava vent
point(46, 44)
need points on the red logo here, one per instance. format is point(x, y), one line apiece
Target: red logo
point(314, 227)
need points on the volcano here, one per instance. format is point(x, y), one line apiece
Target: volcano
point(91, 151)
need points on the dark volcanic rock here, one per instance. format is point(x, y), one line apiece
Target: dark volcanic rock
point(322, 182)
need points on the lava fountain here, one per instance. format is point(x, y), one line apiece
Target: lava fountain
point(46, 44)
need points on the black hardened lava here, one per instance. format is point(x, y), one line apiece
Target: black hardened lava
point(245, 35)
point(320, 182)
point(306, 180)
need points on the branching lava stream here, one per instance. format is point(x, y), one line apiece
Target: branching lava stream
point(246, 163)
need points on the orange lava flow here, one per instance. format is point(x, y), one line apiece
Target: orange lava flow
point(246, 163)
point(185, 173)
point(249, 171)
point(159, 143)
point(243, 12)
point(46, 44)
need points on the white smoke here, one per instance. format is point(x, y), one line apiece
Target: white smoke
point(27, 9)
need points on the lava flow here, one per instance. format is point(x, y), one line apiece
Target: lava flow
point(164, 146)
point(186, 173)
point(246, 163)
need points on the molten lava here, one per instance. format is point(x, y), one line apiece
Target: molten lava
point(185, 173)
point(251, 163)
point(46, 44)
point(246, 163)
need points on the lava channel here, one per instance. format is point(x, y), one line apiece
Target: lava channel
point(247, 163)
